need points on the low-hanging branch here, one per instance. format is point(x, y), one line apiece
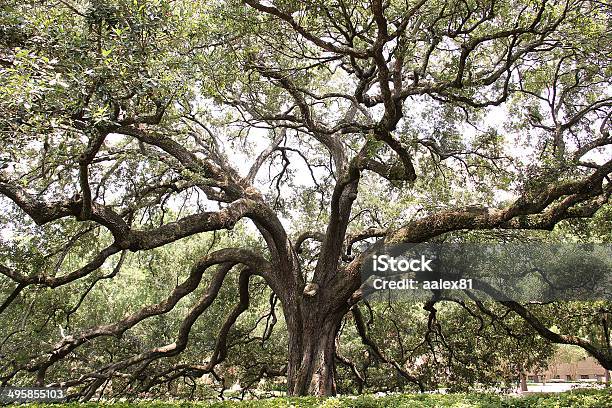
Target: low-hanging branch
point(229, 256)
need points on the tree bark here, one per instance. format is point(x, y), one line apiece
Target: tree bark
point(311, 366)
point(523, 378)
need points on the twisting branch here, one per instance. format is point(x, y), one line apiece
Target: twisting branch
point(111, 275)
point(326, 45)
point(230, 256)
point(299, 241)
point(603, 356)
point(220, 351)
point(540, 209)
point(368, 341)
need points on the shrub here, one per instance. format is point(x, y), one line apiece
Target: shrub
point(570, 399)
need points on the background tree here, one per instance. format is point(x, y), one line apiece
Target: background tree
point(278, 139)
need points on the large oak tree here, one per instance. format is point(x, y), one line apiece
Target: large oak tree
point(316, 128)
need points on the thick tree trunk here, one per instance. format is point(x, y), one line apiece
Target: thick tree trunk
point(312, 367)
point(523, 380)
